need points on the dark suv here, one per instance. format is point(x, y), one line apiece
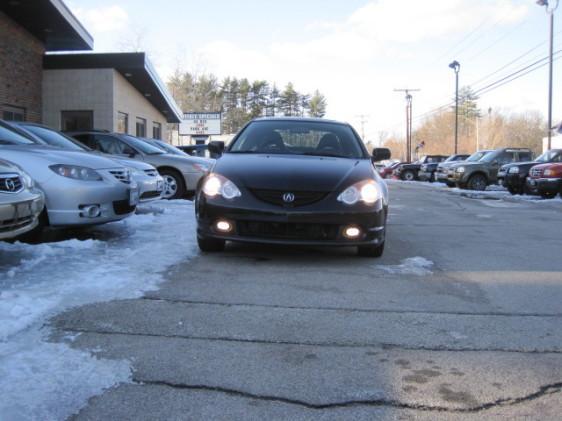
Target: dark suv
point(429, 172)
point(480, 174)
point(409, 172)
point(513, 176)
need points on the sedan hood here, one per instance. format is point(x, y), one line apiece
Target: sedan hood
point(51, 155)
point(292, 172)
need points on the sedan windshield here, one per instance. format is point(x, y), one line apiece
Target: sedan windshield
point(8, 137)
point(56, 139)
point(143, 146)
point(298, 138)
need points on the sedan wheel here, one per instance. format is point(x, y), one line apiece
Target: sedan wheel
point(477, 182)
point(173, 185)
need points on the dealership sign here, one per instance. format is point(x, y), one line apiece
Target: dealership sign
point(200, 124)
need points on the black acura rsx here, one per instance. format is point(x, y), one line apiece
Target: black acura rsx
point(294, 181)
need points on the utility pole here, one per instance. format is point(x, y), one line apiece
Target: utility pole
point(408, 120)
point(455, 65)
point(362, 119)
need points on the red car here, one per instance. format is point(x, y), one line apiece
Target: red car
point(386, 172)
point(546, 180)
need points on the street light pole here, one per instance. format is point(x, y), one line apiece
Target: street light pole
point(409, 119)
point(550, 10)
point(455, 65)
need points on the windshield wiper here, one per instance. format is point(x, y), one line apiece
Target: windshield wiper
point(332, 155)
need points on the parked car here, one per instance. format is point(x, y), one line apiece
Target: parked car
point(80, 188)
point(409, 171)
point(181, 173)
point(429, 171)
point(545, 180)
point(21, 202)
point(446, 170)
point(165, 146)
point(294, 181)
point(386, 172)
point(514, 176)
point(477, 175)
point(149, 182)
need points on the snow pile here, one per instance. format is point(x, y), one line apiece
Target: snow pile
point(412, 266)
point(40, 380)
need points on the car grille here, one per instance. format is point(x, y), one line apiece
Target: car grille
point(288, 231)
point(122, 207)
point(301, 198)
point(122, 175)
point(536, 172)
point(14, 224)
point(10, 183)
point(151, 172)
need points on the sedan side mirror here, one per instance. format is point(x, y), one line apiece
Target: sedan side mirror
point(380, 154)
point(216, 147)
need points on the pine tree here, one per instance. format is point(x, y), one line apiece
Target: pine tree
point(289, 101)
point(317, 105)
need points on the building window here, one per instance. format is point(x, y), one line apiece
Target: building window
point(76, 120)
point(122, 122)
point(11, 113)
point(141, 127)
point(156, 130)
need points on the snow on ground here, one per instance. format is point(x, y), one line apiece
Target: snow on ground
point(411, 266)
point(43, 380)
point(493, 192)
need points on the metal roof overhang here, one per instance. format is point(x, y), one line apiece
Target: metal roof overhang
point(135, 67)
point(51, 22)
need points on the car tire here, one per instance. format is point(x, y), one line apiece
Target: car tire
point(408, 175)
point(513, 191)
point(548, 195)
point(371, 251)
point(432, 178)
point(450, 185)
point(174, 187)
point(477, 182)
point(208, 244)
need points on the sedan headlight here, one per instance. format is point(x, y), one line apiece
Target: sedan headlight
point(217, 185)
point(460, 170)
point(27, 180)
point(366, 191)
point(76, 172)
point(513, 170)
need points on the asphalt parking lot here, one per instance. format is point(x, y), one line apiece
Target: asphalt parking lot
point(460, 319)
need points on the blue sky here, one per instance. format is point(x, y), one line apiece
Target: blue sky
point(354, 51)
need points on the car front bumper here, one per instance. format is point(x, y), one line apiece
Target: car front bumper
point(150, 188)
point(425, 175)
point(544, 185)
point(513, 181)
point(21, 215)
point(264, 223)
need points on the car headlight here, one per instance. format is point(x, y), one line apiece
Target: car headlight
point(217, 185)
point(460, 170)
point(366, 191)
point(548, 172)
point(76, 172)
point(27, 180)
point(513, 170)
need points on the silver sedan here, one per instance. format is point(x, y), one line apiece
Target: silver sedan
point(181, 173)
point(20, 201)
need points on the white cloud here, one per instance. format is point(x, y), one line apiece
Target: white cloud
point(103, 19)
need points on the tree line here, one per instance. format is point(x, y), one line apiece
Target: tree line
point(240, 100)
point(492, 129)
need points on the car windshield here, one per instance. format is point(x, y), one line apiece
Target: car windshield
point(170, 148)
point(298, 138)
point(489, 157)
point(54, 138)
point(477, 156)
point(143, 146)
point(548, 156)
point(9, 137)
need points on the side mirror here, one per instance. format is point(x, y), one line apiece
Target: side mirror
point(380, 154)
point(216, 147)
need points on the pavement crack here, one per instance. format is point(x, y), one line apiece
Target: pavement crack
point(380, 345)
point(542, 391)
point(349, 309)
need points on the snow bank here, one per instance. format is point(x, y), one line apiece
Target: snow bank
point(40, 380)
point(411, 266)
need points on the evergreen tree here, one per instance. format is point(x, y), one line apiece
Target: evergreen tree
point(289, 101)
point(317, 105)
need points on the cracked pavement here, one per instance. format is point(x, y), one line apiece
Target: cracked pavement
point(297, 333)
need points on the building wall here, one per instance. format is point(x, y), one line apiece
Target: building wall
point(130, 101)
point(78, 90)
point(21, 67)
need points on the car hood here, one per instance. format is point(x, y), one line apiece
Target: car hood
point(293, 172)
point(526, 165)
point(181, 162)
point(51, 155)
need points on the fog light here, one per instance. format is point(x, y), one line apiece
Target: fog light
point(91, 211)
point(352, 232)
point(223, 226)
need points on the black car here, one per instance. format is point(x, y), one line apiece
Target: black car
point(410, 171)
point(294, 181)
point(428, 172)
point(513, 176)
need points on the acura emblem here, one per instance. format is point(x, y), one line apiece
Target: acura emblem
point(10, 185)
point(288, 198)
